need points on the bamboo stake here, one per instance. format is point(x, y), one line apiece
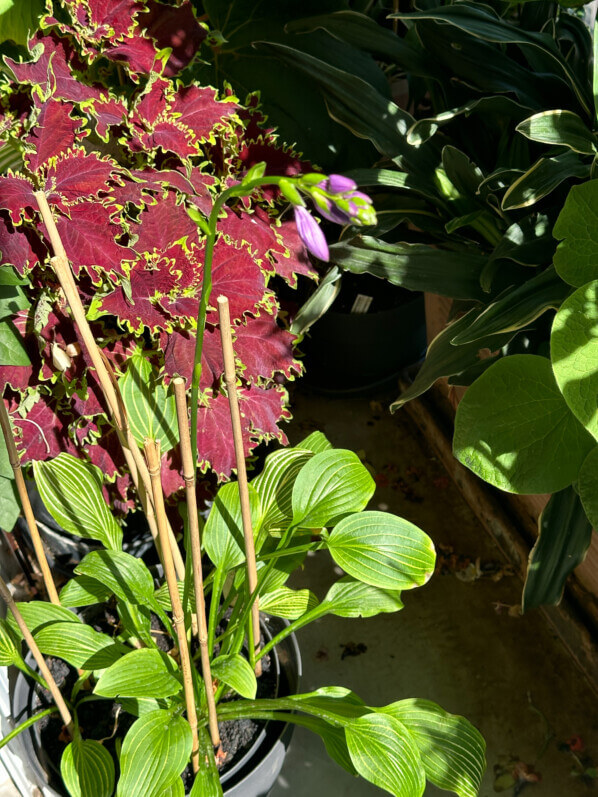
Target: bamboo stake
point(200, 604)
point(152, 453)
point(15, 463)
point(230, 377)
point(37, 655)
point(133, 457)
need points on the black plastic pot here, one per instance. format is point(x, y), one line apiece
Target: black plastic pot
point(253, 775)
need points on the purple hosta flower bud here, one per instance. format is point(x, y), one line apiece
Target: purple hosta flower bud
point(311, 233)
point(337, 184)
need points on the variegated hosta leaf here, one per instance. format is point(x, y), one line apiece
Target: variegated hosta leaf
point(72, 493)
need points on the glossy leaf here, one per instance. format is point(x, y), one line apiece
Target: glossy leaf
point(382, 550)
point(141, 673)
point(576, 257)
point(126, 576)
point(87, 768)
point(542, 178)
point(288, 603)
point(207, 780)
point(514, 429)
point(154, 753)
point(274, 485)
point(12, 349)
point(236, 672)
point(316, 442)
point(80, 645)
point(223, 532)
point(8, 650)
point(574, 353)
point(318, 303)
point(331, 484)
point(563, 128)
point(588, 486)
point(72, 493)
point(40, 614)
point(84, 591)
point(350, 598)
point(528, 241)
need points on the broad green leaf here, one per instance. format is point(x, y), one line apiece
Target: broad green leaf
point(10, 507)
point(576, 257)
point(275, 483)
point(155, 751)
point(350, 598)
point(80, 645)
point(223, 532)
point(417, 267)
point(316, 442)
point(563, 128)
point(542, 178)
point(588, 486)
point(151, 408)
point(288, 603)
point(207, 780)
point(384, 752)
point(39, 614)
point(452, 750)
point(517, 307)
point(87, 768)
point(402, 181)
point(331, 484)
point(19, 20)
point(136, 621)
point(337, 700)
point(176, 789)
point(236, 672)
point(528, 241)
point(334, 740)
point(162, 596)
point(138, 706)
point(84, 591)
point(574, 353)
point(318, 303)
point(564, 538)
point(514, 429)
point(12, 299)
point(141, 673)
point(72, 493)
point(382, 550)
point(8, 276)
point(8, 650)
point(12, 350)
point(126, 576)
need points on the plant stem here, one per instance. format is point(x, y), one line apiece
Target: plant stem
point(152, 453)
point(200, 605)
point(27, 724)
point(230, 378)
point(37, 655)
point(15, 464)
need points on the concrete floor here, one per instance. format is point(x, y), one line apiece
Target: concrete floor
point(454, 642)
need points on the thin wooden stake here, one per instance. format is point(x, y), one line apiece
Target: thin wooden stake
point(152, 453)
point(200, 604)
point(15, 464)
point(230, 377)
point(37, 655)
point(133, 457)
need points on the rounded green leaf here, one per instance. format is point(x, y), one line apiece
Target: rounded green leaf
point(383, 752)
point(574, 352)
point(350, 598)
point(155, 751)
point(141, 673)
point(382, 550)
point(576, 257)
point(288, 603)
point(72, 493)
point(125, 575)
point(236, 672)
point(12, 349)
point(87, 768)
point(84, 591)
point(588, 486)
point(39, 614)
point(331, 484)
point(223, 533)
point(80, 645)
point(514, 429)
point(8, 650)
point(275, 486)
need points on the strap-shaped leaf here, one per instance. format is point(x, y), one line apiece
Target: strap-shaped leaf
point(141, 673)
point(72, 492)
point(350, 598)
point(382, 550)
point(151, 408)
point(331, 484)
point(383, 752)
point(588, 486)
point(223, 532)
point(560, 128)
point(236, 672)
point(154, 753)
point(80, 645)
point(451, 749)
point(275, 485)
point(84, 591)
point(39, 614)
point(565, 536)
point(288, 603)
point(126, 576)
point(87, 768)
point(8, 650)
point(207, 781)
point(542, 178)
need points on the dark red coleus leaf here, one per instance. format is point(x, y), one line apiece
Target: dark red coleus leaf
point(179, 354)
point(137, 52)
point(175, 27)
point(161, 224)
point(44, 433)
point(19, 246)
point(55, 131)
point(295, 259)
point(16, 196)
point(265, 349)
point(105, 19)
point(263, 409)
point(76, 175)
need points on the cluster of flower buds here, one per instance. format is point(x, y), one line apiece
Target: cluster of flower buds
point(336, 198)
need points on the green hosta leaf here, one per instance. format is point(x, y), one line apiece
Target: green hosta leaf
point(141, 673)
point(151, 408)
point(350, 598)
point(84, 591)
point(563, 128)
point(9, 653)
point(542, 178)
point(275, 486)
point(80, 645)
point(565, 536)
point(382, 550)
point(331, 484)
point(72, 493)
point(12, 350)
point(87, 768)
point(451, 749)
point(588, 486)
point(139, 706)
point(574, 352)
point(39, 614)
point(19, 20)
point(514, 429)
point(136, 621)
point(334, 740)
point(316, 442)
point(236, 672)
point(576, 257)
point(223, 532)
point(337, 700)
point(10, 507)
point(126, 576)
point(176, 789)
point(207, 780)
point(317, 304)
point(155, 751)
point(288, 603)
point(162, 596)
point(383, 752)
